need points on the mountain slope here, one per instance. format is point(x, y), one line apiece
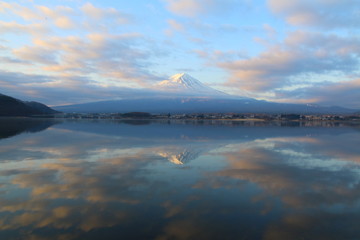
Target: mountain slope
point(197, 105)
point(12, 107)
point(182, 93)
point(41, 108)
point(184, 84)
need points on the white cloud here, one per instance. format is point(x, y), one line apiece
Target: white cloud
point(104, 13)
point(345, 93)
point(88, 41)
point(192, 8)
point(42, 15)
point(64, 22)
point(175, 25)
point(17, 28)
point(35, 54)
point(121, 58)
point(63, 17)
point(95, 61)
point(327, 14)
point(61, 90)
point(300, 54)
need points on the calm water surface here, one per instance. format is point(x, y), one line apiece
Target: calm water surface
point(178, 180)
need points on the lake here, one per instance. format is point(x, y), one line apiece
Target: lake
point(138, 179)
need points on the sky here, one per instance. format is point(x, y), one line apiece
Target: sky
point(74, 51)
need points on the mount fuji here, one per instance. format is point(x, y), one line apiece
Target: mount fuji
point(182, 93)
point(182, 156)
point(186, 85)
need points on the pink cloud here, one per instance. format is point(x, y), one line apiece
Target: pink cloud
point(319, 13)
point(192, 8)
point(300, 54)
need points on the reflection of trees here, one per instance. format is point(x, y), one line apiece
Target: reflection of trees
point(13, 126)
point(136, 122)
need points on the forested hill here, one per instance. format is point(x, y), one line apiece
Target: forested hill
point(13, 107)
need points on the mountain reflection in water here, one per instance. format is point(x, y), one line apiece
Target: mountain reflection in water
point(180, 180)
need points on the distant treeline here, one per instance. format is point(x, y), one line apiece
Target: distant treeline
point(136, 115)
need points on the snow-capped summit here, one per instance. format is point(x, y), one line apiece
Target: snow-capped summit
point(184, 80)
point(180, 155)
point(186, 84)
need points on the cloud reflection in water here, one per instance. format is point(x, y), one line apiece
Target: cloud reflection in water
point(88, 180)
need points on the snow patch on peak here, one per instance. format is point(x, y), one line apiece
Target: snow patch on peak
point(187, 81)
point(179, 75)
point(182, 77)
point(184, 83)
point(180, 156)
